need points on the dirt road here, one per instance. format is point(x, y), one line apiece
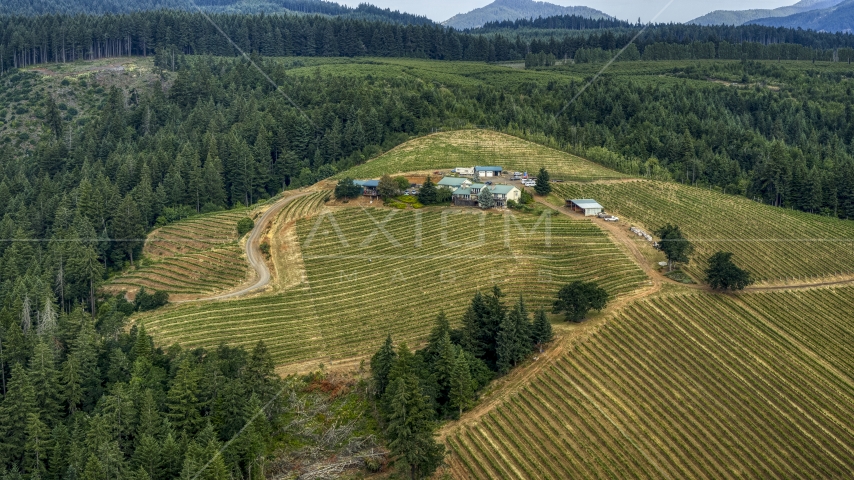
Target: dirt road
point(253, 252)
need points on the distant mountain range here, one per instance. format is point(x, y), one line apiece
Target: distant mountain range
point(740, 17)
point(101, 7)
point(837, 18)
point(500, 10)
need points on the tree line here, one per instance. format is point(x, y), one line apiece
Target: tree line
point(84, 397)
point(106, 7)
point(62, 38)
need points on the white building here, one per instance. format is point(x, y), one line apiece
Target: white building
point(589, 207)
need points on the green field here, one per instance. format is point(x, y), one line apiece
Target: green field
point(467, 148)
point(362, 285)
point(192, 257)
point(774, 244)
point(685, 386)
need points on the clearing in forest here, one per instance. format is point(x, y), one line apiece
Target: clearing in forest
point(684, 386)
point(468, 148)
point(776, 245)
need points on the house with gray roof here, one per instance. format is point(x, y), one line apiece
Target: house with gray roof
point(453, 183)
point(468, 196)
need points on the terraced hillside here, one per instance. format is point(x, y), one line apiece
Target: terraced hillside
point(685, 386)
point(467, 148)
point(194, 257)
point(363, 282)
point(773, 243)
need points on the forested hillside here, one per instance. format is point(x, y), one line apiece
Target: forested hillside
point(215, 134)
point(61, 38)
point(103, 7)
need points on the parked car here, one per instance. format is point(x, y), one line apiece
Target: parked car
point(489, 183)
point(611, 218)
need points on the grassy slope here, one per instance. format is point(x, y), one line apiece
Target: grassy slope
point(467, 148)
point(685, 386)
point(361, 287)
point(774, 244)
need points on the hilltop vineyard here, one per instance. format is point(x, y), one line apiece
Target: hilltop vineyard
point(364, 282)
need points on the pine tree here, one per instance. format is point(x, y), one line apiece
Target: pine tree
point(37, 447)
point(183, 402)
point(147, 456)
point(542, 329)
point(462, 390)
point(15, 410)
point(381, 364)
point(444, 365)
point(427, 194)
point(45, 380)
point(251, 442)
point(128, 228)
point(543, 187)
point(409, 430)
point(506, 344)
point(214, 188)
point(60, 446)
point(72, 383)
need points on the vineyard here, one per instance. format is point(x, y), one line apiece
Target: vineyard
point(774, 244)
point(190, 258)
point(467, 148)
point(363, 282)
point(685, 386)
point(304, 206)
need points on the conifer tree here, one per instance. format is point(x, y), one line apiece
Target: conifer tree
point(444, 364)
point(543, 187)
point(542, 329)
point(147, 456)
point(409, 430)
point(381, 364)
point(462, 390)
point(128, 228)
point(36, 449)
point(506, 344)
point(183, 402)
point(15, 410)
point(45, 380)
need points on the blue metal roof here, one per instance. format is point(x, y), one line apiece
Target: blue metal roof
point(488, 169)
point(367, 183)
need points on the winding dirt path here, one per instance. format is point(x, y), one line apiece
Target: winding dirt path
point(253, 253)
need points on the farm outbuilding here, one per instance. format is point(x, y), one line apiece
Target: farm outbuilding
point(487, 171)
point(587, 206)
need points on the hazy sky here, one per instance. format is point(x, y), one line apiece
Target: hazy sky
point(679, 11)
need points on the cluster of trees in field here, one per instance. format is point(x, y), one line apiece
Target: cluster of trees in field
point(721, 274)
point(59, 38)
point(414, 390)
point(84, 397)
